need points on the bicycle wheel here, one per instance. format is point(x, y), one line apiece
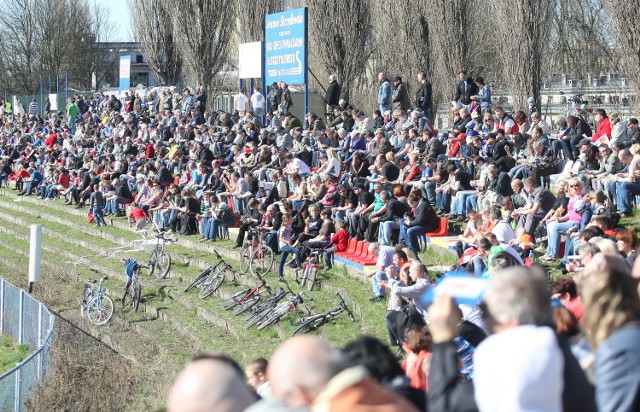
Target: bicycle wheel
point(246, 305)
point(210, 285)
point(245, 255)
point(127, 298)
point(235, 299)
point(199, 279)
point(307, 326)
point(153, 258)
point(275, 316)
point(311, 280)
point(163, 265)
point(86, 297)
point(137, 292)
point(100, 309)
point(261, 260)
point(305, 275)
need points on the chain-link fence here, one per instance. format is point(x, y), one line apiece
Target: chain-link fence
point(28, 322)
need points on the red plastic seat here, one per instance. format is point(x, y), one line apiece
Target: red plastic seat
point(443, 230)
point(358, 252)
point(350, 248)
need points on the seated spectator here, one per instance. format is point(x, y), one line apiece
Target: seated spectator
point(306, 372)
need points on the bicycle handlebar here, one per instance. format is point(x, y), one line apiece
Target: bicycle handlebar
point(345, 306)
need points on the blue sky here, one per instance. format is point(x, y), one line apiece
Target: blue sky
point(120, 18)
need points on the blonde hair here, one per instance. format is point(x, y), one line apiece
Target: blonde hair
point(614, 118)
point(612, 297)
point(390, 157)
point(331, 153)
point(607, 246)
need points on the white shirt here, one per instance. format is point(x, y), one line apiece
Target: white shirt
point(301, 166)
point(519, 369)
point(504, 233)
point(257, 100)
point(240, 102)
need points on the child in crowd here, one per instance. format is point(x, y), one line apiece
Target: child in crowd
point(139, 216)
point(284, 242)
point(339, 243)
point(96, 204)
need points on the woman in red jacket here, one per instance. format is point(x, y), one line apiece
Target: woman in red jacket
point(604, 126)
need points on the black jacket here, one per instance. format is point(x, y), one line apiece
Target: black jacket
point(448, 392)
point(633, 137)
point(463, 94)
point(424, 98)
point(400, 99)
point(395, 209)
point(332, 97)
point(426, 216)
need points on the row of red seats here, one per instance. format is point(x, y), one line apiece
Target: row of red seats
point(358, 250)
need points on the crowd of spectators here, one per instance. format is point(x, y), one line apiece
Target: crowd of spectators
point(511, 180)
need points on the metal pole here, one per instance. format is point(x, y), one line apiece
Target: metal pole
point(17, 389)
point(306, 61)
point(41, 100)
point(267, 105)
point(1, 306)
point(21, 317)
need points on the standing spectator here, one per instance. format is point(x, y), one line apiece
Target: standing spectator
point(418, 274)
point(72, 114)
point(201, 100)
point(484, 95)
point(424, 99)
point(466, 88)
point(257, 102)
point(33, 109)
point(275, 97)
point(384, 93)
point(285, 245)
point(287, 101)
point(400, 98)
point(332, 97)
point(240, 102)
point(96, 204)
point(189, 102)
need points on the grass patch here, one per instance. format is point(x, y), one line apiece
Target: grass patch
point(11, 353)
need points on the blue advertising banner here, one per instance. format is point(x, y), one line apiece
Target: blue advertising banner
point(285, 48)
point(125, 73)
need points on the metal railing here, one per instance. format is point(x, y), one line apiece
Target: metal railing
point(28, 322)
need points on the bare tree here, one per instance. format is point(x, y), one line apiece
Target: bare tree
point(251, 18)
point(18, 30)
point(154, 30)
point(204, 30)
point(623, 16)
point(581, 38)
point(342, 51)
point(524, 41)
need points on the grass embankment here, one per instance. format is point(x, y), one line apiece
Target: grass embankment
point(172, 325)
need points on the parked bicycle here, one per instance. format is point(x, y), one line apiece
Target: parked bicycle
point(283, 309)
point(311, 323)
point(159, 259)
point(265, 307)
point(246, 299)
point(211, 278)
point(133, 288)
point(255, 255)
point(310, 270)
point(95, 302)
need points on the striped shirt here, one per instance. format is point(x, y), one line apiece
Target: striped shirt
point(33, 109)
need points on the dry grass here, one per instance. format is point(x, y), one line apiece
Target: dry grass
point(84, 375)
